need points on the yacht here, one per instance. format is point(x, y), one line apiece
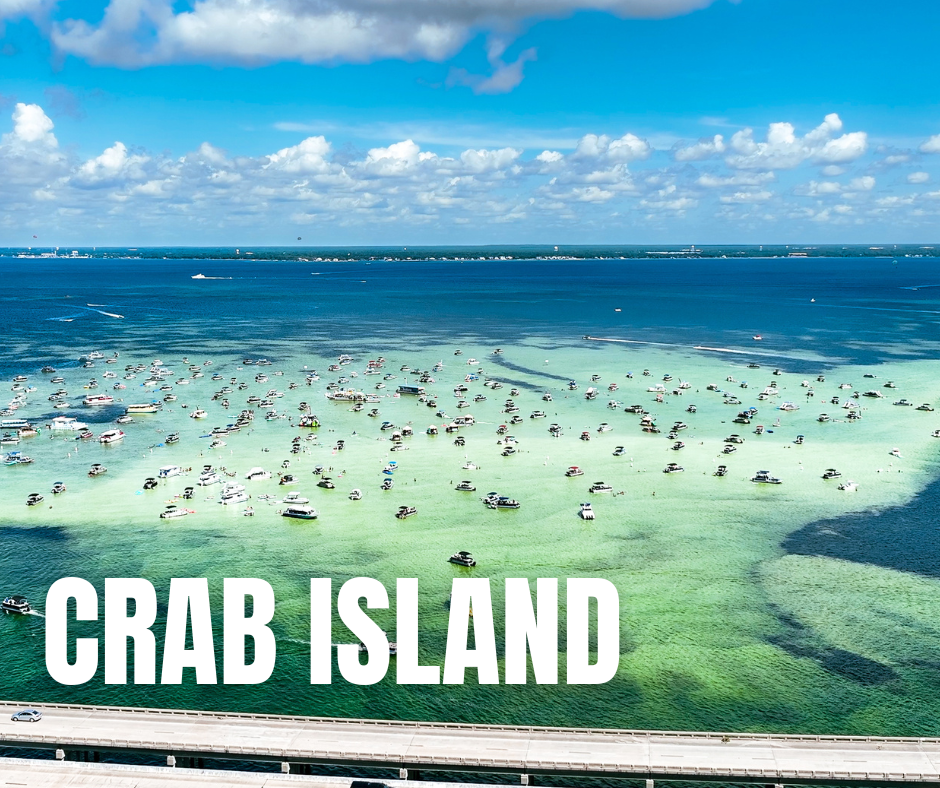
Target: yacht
point(111, 436)
point(16, 604)
point(405, 512)
point(574, 470)
point(466, 486)
point(98, 399)
point(233, 495)
point(207, 478)
point(173, 511)
point(294, 497)
point(600, 487)
point(462, 558)
point(586, 512)
point(764, 477)
point(299, 511)
point(874, 393)
point(673, 468)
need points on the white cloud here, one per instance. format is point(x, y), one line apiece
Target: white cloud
point(142, 32)
point(114, 166)
point(918, 177)
point(308, 156)
point(931, 145)
point(703, 149)
point(13, 9)
point(783, 149)
point(31, 126)
point(710, 181)
point(863, 184)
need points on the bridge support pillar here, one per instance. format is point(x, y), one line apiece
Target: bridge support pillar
point(171, 760)
point(650, 783)
point(527, 779)
point(60, 755)
point(409, 774)
point(285, 767)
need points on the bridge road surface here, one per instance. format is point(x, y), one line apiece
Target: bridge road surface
point(759, 758)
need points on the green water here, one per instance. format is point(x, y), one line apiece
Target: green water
point(719, 629)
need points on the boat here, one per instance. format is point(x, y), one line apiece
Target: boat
point(926, 407)
point(199, 413)
point(207, 478)
point(289, 478)
point(799, 440)
point(97, 469)
point(294, 498)
point(462, 558)
point(848, 486)
point(150, 483)
point(172, 437)
point(586, 512)
point(574, 470)
point(62, 423)
point(58, 488)
point(677, 445)
point(903, 402)
point(466, 486)
point(111, 436)
point(309, 420)
point(34, 499)
point(722, 470)
point(300, 512)
point(98, 399)
point(355, 495)
point(673, 468)
point(604, 427)
point(823, 418)
point(125, 419)
point(325, 482)
point(173, 511)
point(169, 470)
point(15, 603)
point(150, 407)
point(895, 452)
point(600, 487)
point(405, 512)
point(620, 451)
point(764, 477)
point(387, 484)
point(831, 473)
point(503, 502)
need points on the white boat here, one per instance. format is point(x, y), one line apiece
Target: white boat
point(257, 474)
point(355, 495)
point(199, 413)
point(172, 512)
point(586, 512)
point(208, 478)
point(294, 498)
point(234, 497)
point(169, 470)
point(300, 512)
point(98, 399)
point(111, 436)
point(150, 407)
point(848, 486)
point(600, 487)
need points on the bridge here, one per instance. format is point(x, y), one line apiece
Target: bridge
point(524, 753)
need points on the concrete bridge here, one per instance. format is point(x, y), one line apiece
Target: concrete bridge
point(298, 743)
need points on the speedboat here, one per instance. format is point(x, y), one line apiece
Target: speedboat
point(199, 413)
point(325, 482)
point(97, 469)
point(466, 486)
point(673, 468)
point(173, 437)
point(721, 471)
point(677, 445)
point(355, 495)
point(289, 478)
point(125, 419)
point(405, 512)
point(150, 483)
point(462, 558)
point(895, 452)
point(294, 497)
point(574, 470)
point(111, 436)
point(831, 473)
point(300, 512)
point(34, 499)
point(600, 487)
point(16, 603)
point(173, 511)
point(58, 488)
point(257, 474)
point(620, 451)
point(387, 484)
point(586, 512)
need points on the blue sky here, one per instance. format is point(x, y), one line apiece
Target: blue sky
point(409, 121)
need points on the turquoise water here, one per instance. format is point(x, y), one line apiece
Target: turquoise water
point(726, 623)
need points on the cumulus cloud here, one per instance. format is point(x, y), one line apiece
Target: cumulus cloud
point(703, 149)
point(600, 181)
point(13, 9)
point(918, 177)
point(783, 149)
point(931, 145)
point(133, 33)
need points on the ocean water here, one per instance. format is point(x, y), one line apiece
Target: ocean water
point(796, 607)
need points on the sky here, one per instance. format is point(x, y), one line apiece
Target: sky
point(385, 122)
